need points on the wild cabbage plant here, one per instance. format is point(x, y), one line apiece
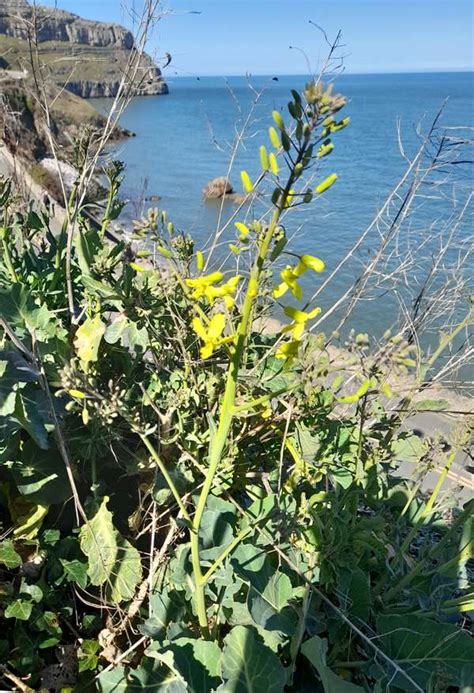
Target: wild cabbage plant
point(189, 502)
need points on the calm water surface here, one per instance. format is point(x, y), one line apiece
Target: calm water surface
point(185, 139)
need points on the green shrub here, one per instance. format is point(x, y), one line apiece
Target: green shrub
point(190, 504)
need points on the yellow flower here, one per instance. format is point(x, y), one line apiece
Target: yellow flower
point(310, 262)
point(225, 291)
point(211, 335)
point(288, 351)
point(201, 285)
point(290, 276)
point(299, 318)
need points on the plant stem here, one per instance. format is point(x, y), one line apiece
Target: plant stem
point(228, 404)
point(166, 475)
point(7, 256)
point(240, 536)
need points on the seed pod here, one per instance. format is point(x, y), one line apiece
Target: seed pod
point(246, 182)
point(199, 260)
point(143, 253)
point(326, 184)
point(274, 139)
point(299, 130)
point(285, 141)
point(308, 196)
point(264, 157)
point(164, 251)
point(274, 164)
point(278, 120)
point(233, 248)
point(298, 169)
point(170, 228)
point(306, 131)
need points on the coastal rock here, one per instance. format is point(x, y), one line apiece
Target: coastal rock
point(86, 57)
point(217, 187)
point(59, 25)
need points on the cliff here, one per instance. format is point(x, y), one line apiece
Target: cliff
point(89, 58)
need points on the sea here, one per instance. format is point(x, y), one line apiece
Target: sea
point(210, 126)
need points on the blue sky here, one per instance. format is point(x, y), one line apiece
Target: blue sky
point(238, 36)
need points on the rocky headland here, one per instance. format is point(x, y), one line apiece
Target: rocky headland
point(78, 59)
point(86, 57)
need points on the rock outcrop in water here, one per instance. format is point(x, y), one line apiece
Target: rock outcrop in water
point(87, 57)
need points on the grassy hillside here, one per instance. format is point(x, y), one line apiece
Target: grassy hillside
point(75, 63)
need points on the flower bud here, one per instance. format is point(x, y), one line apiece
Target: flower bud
point(246, 182)
point(326, 184)
point(274, 164)
point(274, 139)
point(242, 228)
point(278, 120)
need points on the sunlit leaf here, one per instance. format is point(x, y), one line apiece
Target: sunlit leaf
point(113, 561)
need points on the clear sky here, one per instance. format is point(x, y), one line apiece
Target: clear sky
point(238, 36)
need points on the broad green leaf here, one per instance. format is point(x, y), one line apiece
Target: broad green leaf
point(8, 555)
point(248, 665)
point(19, 609)
point(165, 607)
point(354, 592)
point(88, 338)
point(423, 647)
point(28, 517)
point(408, 448)
point(154, 675)
point(198, 662)
point(103, 290)
point(315, 649)
point(216, 530)
point(31, 412)
point(75, 571)
point(19, 310)
point(268, 611)
point(40, 475)
point(117, 331)
point(112, 559)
